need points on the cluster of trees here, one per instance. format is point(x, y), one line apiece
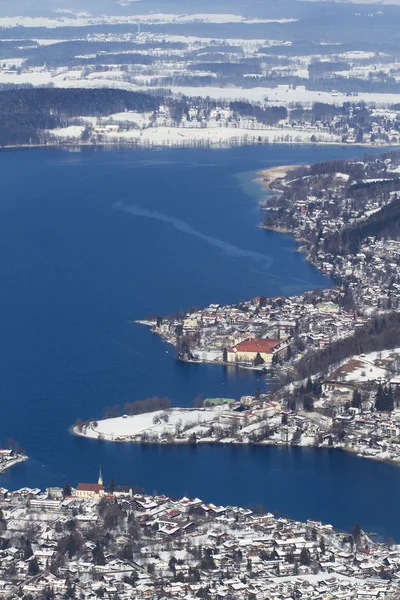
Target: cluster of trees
point(351, 85)
point(261, 434)
point(384, 223)
point(238, 68)
point(137, 407)
point(316, 68)
point(130, 58)
point(305, 396)
point(182, 348)
point(303, 48)
point(355, 170)
point(26, 111)
point(13, 445)
point(65, 53)
point(258, 361)
point(319, 112)
point(319, 180)
point(268, 115)
point(380, 333)
point(152, 404)
point(240, 75)
point(216, 50)
point(356, 399)
point(320, 177)
point(384, 400)
point(249, 74)
point(207, 562)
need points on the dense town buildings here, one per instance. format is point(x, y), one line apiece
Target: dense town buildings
point(132, 545)
point(343, 215)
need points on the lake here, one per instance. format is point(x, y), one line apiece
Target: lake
point(91, 241)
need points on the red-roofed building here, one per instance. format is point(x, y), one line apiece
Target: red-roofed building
point(91, 490)
point(247, 350)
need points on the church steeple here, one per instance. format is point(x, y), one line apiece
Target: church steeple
point(100, 481)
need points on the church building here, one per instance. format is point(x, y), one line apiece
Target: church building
point(91, 490)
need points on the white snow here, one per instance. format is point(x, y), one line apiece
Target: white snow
point(84, 20)
point(115, 74)
point(45, 42)
point(210, 136)
point(357, 55)
point(130, 426)
point(208, 355)
point(7, 63)
point(343, 176)
point(34, 77)
point(284, 95)
point(73, 132)
point(307, 440)
point(369, 369)
point(131, 117)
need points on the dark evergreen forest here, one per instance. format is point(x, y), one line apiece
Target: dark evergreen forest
point(23, 112)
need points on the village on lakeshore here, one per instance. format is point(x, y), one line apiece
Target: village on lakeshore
point(333, 359)
point(322, 366)
point(355, 408)
point(195, 91)
point(115, 541)
point(343, 215)
point(333, 354)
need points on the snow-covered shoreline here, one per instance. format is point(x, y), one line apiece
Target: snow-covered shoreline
point(84, 19)
point(212, 134)
point(136, 428)
point(174, 426)
point(142, 429)
point(11, 463)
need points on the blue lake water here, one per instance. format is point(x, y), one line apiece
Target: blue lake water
point(90, 241)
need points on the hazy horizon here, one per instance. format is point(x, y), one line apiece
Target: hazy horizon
point(96, 7)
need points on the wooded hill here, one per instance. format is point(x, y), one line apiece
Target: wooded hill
point(24, 112)
point(381, 333)
point(383, 224)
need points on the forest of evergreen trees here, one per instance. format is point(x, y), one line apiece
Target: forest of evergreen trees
point(381, 333)
point(65, 53)
point(383, 224)
point(268, 115)
point(230, 68)
point(25, 111)
point(152, 404)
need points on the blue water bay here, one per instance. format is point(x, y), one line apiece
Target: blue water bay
point(91, 241)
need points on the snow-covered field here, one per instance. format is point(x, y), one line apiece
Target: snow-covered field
point(84, 20)
point(154, 423)
point(116, 77)
point(73, 132)
point(373, 366)
point(131, 117)
point(214, 136)
point(284, 95)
